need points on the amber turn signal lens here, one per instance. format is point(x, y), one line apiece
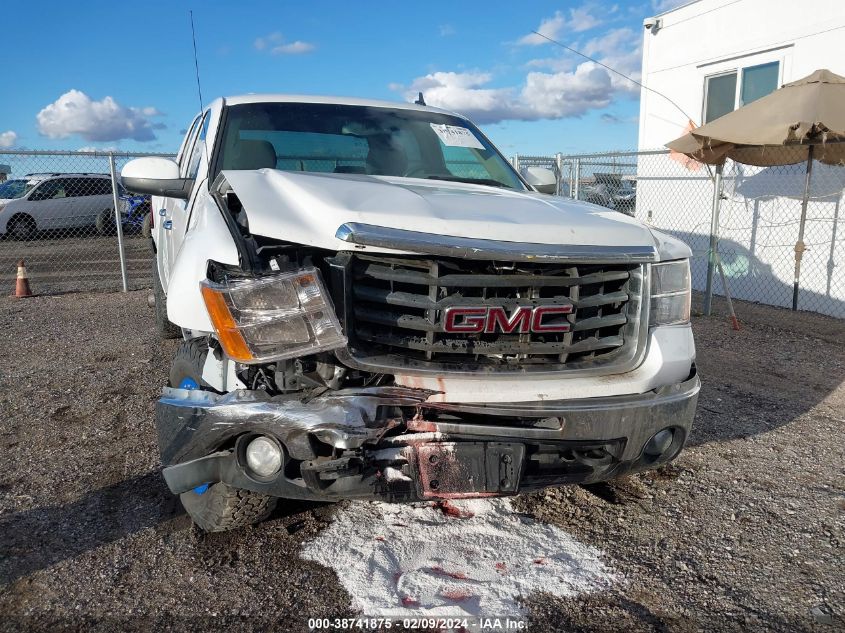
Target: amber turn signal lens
point(224, 324)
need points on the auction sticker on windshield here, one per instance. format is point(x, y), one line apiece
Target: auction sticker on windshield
point(456, 136)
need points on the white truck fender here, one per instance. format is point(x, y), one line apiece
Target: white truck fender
point(207, 238)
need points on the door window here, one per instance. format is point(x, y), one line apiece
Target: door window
point(197, 149)
point(50, 190)
point(180, 156)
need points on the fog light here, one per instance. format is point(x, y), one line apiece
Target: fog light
point(659, 444)
point(264, 456)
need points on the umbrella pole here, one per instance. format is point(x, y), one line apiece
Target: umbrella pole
point(799, 245)
point(727, 290)
point(713, 251)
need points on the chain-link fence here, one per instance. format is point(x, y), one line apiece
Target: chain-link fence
point(758, 219)
point(57, 214)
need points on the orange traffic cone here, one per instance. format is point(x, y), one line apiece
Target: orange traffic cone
point(22, 287)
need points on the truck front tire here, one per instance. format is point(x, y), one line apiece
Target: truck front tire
point(186, 367)
point(216, 507)
point(165, 329)
point(221, 507)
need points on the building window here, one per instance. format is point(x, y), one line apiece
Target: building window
point(758, 81)
point(724, 94)
point(720, 96)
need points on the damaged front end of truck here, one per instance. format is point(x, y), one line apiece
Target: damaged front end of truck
point(387, 443)
point(410, 366)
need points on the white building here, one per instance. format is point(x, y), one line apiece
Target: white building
point(710, 57)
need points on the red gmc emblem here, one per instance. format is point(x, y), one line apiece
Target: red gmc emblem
point(523, 320)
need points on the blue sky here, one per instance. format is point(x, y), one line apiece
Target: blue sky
point(111, 74)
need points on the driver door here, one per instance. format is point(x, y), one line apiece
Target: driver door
point(173, 216)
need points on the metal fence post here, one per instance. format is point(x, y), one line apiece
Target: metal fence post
point(515, 162)
point(118, 222)
point(713, 251)
point(559, 174)
point(800, 247)
point(577, 188)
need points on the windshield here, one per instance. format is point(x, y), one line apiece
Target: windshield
point(13, 189)
point(346, 139)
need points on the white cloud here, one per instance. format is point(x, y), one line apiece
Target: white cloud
point(105, 120)
point(667, 5)
point(263, 42)
point(446, 30)
point(543, 95)
point(608, 117)
point(466, 93)
point(275, 44)
point(567, 94)
point(8, 139)
point(550, 27)
point(621, 49)
point(92, 148)
point(294, 48)
point(580, 19)
point(554, 88)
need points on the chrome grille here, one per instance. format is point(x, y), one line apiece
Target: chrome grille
point(394, 313)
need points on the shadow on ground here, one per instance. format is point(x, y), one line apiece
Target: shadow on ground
point(36, 539)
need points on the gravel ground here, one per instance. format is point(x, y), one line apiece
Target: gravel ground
point(745, 531)
point(78, 260)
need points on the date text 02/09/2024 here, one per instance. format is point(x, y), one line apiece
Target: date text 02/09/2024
point(419, 623)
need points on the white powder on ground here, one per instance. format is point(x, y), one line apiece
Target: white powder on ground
point(412, 560)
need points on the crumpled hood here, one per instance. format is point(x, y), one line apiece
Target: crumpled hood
point(308, 208)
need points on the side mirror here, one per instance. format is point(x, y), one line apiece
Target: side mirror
point(542, 179)
point(157, 177)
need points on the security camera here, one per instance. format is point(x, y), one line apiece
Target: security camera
point(652, 24)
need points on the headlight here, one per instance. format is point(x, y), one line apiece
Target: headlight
point(274, 317)
point(670, 293)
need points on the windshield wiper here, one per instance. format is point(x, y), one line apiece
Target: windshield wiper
point(468, 180)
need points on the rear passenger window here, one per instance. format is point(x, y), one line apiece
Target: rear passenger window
point(74, 188)
point(81, 187)
point(98, 187)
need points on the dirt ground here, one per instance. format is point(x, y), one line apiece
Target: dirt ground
point(76, 260)
point(745, 531)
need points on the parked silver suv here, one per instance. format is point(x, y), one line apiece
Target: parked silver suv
point(58, 201)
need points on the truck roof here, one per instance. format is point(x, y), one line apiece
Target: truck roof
point(288, 98)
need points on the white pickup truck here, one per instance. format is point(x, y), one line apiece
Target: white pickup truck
point(375, 304)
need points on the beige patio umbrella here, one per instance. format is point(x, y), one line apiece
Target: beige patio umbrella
point(802, 121)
